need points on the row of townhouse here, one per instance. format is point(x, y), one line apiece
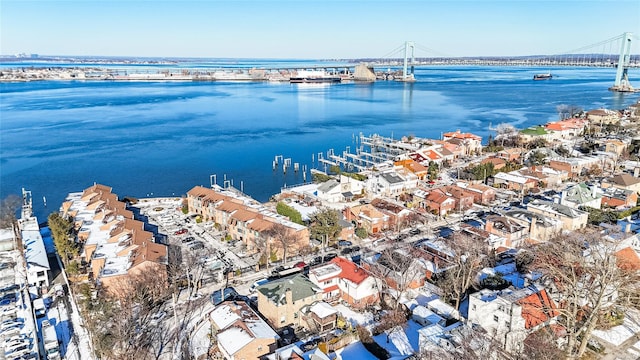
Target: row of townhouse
point(459, 197)
point(243, 218)
point(114, 245)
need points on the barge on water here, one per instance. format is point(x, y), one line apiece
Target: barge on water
point(314, 76)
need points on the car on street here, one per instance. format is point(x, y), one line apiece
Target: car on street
point(188, 239)
point(180, 232)
point(343, 243)
point(316, 261)
point(300, 264)
point(196, 245)
point(346, 251)
point(329, 257)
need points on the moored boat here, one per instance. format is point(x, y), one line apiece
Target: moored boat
point(542, 76)
point(305, 76)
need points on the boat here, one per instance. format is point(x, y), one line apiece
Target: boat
point(314, 76)
point(542, 76)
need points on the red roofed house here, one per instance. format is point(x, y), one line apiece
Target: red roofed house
point(628, 259)
point(567, 128)
point(512, 314)
point(341, 279)
point(472, 143)
point(439, 202)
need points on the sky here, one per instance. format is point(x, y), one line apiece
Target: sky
point(312, 29)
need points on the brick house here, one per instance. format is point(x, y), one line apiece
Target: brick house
point(280, 301)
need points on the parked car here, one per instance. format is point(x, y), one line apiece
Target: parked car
point(300, 264)
point(181, 231)
point(344, 243)
point(346, 251)
point(330, 257)
point(196, 245)
point(316, 261)
point(188, 239)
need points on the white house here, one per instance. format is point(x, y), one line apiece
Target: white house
point(511, 314)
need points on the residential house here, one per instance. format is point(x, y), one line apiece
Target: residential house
point(572, 219)
point(389, 184)
point(511, 154)
point(240, 333)
point(421, 171)
point(243, 218)
point(581, 195)
point(512, 231)
point(498, 163)
point(116, 247)
point(514, 181)
point(574, 166)
point(492, 240)
point(471, 143)
point(603, 117)
point(540, 227)
point(396, 213)
point(619, 198)
point(344, 280)
point(35, 255)
point(482, 194)
point(622, 181)
point(512, 314)
point(341, 190)
point(438, 201)
point(368, 217)
point(280, 301)
point(566, 129)
point(400, 269)
point(614, 146)
point(464, 199)
point(320, 317)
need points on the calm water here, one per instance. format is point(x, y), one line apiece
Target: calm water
point(162, 138)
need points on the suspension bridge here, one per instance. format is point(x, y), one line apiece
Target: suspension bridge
point(600, 54)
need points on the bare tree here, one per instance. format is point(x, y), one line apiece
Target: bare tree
point(283, 238)
point(586, 279)
point(8, 208)
point(463, 343)
point(261, 247)
point(469, 255)
point(396, 270)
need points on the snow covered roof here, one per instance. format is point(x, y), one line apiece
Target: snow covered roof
point(223, 316)
point(234, 339)
point(322, 309)
point(35, 253)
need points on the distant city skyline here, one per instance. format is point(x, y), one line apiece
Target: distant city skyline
point(329, 29)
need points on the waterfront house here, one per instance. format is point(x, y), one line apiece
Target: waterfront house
point(566, 129)
point(389, 184)
point(512, 314)
point(240, 333)
point(535, 132)
point(280, 301)
point(471, 143)
point(603, 117)
point(116, 247)
point(243, 218)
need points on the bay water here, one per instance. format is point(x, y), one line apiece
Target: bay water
point(148, 139)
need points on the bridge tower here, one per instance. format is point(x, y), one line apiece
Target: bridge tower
point(621, 83)
point(405, 76)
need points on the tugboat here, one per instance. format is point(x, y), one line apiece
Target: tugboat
point(542, 76)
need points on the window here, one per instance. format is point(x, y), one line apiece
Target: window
point(495, 318)
point(501, 308)
point(40, 273)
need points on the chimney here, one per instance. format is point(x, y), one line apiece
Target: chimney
point(288, 295)
point(627, 228)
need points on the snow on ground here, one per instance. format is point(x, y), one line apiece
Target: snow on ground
point(621, 333)
point(355, 351)
point(364, 319)
point(200, 340)
point(402, 341)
